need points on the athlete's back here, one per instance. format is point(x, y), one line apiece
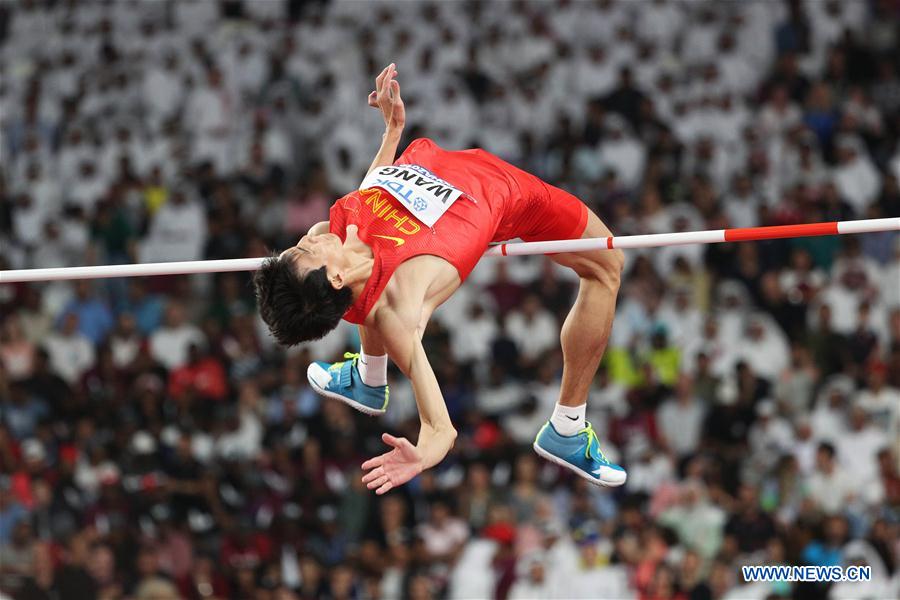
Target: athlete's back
point(497, 202)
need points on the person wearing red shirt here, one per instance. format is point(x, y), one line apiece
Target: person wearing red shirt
point(397, 248)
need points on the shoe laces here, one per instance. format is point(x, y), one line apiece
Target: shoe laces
point(593, 442)
point(354, 356)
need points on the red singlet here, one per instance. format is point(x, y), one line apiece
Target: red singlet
point(500, 202)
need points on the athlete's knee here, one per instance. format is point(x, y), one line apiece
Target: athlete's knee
point(617, 257)
point(606, 271)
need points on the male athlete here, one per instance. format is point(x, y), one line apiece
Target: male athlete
point(397, 248)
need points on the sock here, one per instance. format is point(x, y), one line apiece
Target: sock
point(568, 420)
point(372, 369)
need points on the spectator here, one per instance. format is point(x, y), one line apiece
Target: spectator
point(94, 317)
point(471, 339)
point(680, 419)
point(35, 319)
point(124, 341)
point(443, 535)
point(11, 512)
point(478, 496)
point(17, 556)
point(880, 401)
point(24, 411)
point(830, 486)
point(171, 343)
point(856, 178)
point(859, 446)
point(830, 413)
point(210, 112)
point(769, 437)
point(698, 522)
point(177, 231)
point(764, 348)
point(71, 352)
point(16, 351)
point(147, 308)
point(750, 526)
point(533, 581)
point(202, 375)
point(533, 329)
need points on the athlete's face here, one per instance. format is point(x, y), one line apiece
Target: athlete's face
point(316, 251)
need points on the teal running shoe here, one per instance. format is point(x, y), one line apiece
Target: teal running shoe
point(580, 453)
point(342, 381)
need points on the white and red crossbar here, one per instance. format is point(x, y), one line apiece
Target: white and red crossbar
point(713, 236)
point(514, 249)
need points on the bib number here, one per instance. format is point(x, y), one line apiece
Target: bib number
point(426, 195)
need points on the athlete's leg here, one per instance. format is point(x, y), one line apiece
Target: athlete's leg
point(372, 343)
point(567, 439)
point(586, 328)
point(372, 357)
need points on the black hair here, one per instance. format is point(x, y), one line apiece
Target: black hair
point(827, 448)
point(298, 308)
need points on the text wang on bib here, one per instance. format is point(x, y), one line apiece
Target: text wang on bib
point(426, 195)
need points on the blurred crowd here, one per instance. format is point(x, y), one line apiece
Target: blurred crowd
point(156, 444)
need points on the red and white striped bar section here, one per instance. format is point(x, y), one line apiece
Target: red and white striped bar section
point(713, 236)
point(514, 249)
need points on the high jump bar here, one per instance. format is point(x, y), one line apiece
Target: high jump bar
point(655, 240)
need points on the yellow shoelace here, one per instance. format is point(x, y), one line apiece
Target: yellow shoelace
point(593, 440)
point(347, 356)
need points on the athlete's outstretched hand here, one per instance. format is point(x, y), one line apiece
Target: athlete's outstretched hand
point(386, 98)
point(393, 468)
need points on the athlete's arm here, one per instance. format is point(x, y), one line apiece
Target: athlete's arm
point(436, 433)
point(386, 98)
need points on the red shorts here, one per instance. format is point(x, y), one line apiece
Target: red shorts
point(541, 211)
point(504, 203)
point(521, 205)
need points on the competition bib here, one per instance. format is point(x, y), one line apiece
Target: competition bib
point(426, 195)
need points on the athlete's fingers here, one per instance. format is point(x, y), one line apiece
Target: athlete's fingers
point(380, 77)
point(385, 488)
point(384, 78)
point(377, 483)
point(392, 441)
point(373, 462)
point(372, 100)
point(384, 99)
point(386, 87)
point(373, 474)
point(390, 78)
point(395, 91)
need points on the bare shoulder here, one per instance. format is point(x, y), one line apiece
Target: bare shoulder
point(319, 228)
